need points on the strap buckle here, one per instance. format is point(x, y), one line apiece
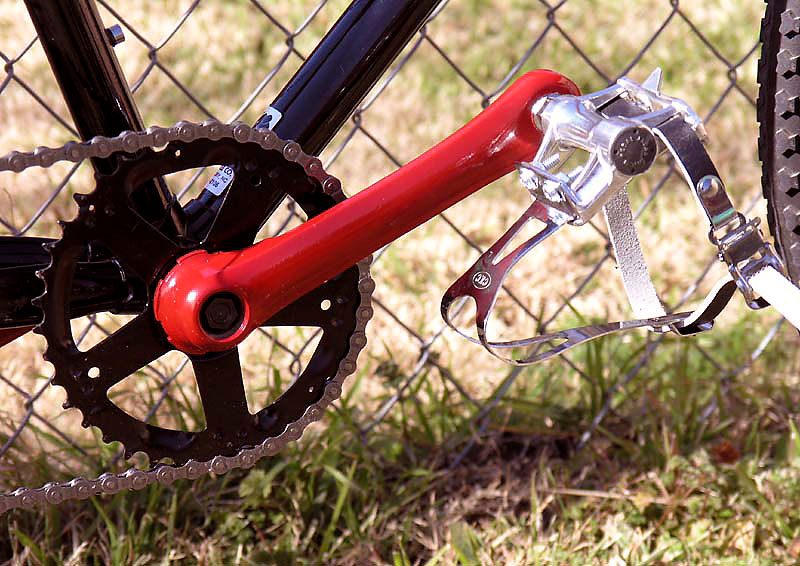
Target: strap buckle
point(745, 252)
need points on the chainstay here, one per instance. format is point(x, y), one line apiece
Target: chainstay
point(165, 474)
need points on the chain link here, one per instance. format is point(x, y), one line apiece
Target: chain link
point(131, 142)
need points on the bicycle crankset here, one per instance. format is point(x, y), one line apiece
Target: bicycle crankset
point(113, 221)
point(623, 128)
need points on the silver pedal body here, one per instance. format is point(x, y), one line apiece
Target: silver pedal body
point(622, 129)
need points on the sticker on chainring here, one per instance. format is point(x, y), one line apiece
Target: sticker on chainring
point(224, 175)
point(220, 181)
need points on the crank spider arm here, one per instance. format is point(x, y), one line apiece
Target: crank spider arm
point(271, 274)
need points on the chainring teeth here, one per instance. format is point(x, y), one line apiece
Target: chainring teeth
point(56, 356)
point(61, 350)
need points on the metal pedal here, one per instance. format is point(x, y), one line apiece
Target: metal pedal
point(623, 129)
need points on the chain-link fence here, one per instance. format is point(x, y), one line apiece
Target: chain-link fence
point(227, 60)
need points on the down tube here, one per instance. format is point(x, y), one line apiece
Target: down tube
point(337, 75)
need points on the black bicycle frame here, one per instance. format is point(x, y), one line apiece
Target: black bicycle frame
point(315, 104)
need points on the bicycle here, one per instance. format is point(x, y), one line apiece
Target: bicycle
point(132, 277)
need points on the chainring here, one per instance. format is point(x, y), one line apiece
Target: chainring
point(264, 168)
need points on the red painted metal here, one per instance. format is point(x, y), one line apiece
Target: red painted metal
point(10, 334)
point(274, 272)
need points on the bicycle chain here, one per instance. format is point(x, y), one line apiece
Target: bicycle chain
point(165, 474)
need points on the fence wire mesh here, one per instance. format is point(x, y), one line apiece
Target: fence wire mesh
point(226, 60)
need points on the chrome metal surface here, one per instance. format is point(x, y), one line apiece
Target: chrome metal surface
point(743, 249)
point(115, 34)
point(622, 128)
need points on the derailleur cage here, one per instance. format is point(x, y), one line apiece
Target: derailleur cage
point(623, 128)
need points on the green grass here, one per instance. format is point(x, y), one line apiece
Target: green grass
point(692, 457)
point(657, 483)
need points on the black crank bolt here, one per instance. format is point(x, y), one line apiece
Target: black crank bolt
point(221, 315)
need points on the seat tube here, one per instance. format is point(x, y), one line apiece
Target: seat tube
point(101, 104)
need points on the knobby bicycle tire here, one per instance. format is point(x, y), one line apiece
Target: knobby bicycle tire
point(778, 112)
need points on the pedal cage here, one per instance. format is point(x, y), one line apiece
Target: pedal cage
point(483, 281)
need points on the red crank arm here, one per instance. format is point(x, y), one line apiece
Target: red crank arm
point(10, 334)
point(274, 272)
